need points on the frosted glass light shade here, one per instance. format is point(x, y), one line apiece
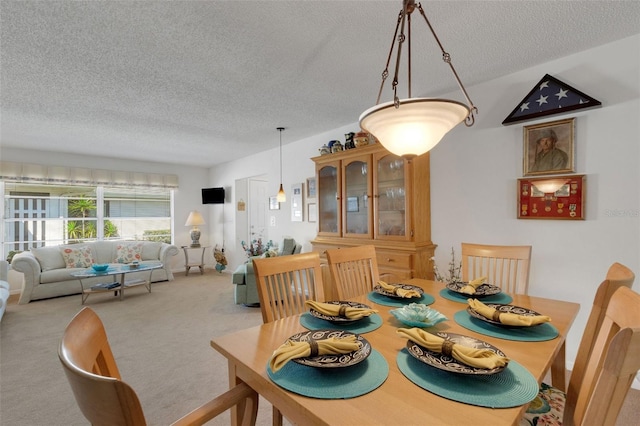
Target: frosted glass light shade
point(416, 126)
point(550, 186)
point(281, 197)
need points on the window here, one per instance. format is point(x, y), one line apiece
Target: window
point(39, 214)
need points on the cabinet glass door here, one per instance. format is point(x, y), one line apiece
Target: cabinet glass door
point(357, 214)
point(392, 206)
point(328, 201)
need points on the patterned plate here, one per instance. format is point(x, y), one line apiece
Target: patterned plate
point(482, 291)
point(332, 361)
point(341, 320)
point(512, 309)
point(378, 289)
point(450, 364)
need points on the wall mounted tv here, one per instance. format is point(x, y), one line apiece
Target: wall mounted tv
point(212, 195)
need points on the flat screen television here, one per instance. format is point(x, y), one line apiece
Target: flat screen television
point(212, 195)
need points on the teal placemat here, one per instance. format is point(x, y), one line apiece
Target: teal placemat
point(512, 387)
point(333, 383)
point(425, 299)
point(539, 333)
point(502, 298)
point(362, 326)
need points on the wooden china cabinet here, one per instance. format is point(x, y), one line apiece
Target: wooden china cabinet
point(369, 196)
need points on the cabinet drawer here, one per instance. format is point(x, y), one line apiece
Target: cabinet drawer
point(395, 260)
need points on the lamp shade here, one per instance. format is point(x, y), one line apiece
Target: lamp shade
point(550, 186)
point(194, 219)
point(415, 126)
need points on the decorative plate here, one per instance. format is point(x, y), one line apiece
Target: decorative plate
point(482, 291)
point(448, 363)
point(512, 309)
point(332, 361)
point(418, 315)
point(378, 289)
point(337, 319)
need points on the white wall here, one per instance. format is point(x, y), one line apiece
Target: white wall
point(188, 197)
point(474, 173)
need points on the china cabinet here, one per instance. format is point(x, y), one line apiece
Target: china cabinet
point(369, 196)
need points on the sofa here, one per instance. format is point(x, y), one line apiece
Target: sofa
point(246, 291)
point(4, 286)
point(47, 270)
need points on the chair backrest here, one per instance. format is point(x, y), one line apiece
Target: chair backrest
point(285, 283)
point(93, 374)
point(504, 266)
point(354, 270)
point(617, 276)
point(105, 399)
point(613, 364)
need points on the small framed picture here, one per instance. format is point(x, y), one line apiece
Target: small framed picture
point(352, 204)
point(273, 203)
point(311, 187)
point(549, 148)
point(312, 214)
point(296, 203)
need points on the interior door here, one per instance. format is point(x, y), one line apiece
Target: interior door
point(258, 209)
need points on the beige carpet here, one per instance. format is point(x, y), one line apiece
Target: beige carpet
point(160, 340)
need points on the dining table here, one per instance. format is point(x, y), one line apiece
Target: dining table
point(401, 398)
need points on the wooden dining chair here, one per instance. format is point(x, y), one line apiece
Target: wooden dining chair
point(504, 266)
point(105, 399)
point(285, 283)
point(354, 270)
point(600, 383)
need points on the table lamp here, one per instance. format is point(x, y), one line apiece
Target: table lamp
point(195, 219)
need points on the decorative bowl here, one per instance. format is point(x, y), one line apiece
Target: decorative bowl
point(418, 315)
point(100, 267)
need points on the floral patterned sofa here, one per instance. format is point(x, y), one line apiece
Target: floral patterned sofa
point(246, 291)
point(47, 270)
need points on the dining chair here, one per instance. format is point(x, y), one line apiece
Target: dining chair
point(105, 399)
point(600, 382)
point(504, 266)
point(354, 270)
point(284, 284)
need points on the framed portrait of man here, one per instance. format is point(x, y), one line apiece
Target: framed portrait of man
point(549, 148)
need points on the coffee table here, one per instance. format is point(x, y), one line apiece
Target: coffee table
point(119, 283)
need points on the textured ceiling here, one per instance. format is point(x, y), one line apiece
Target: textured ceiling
point(205, 82)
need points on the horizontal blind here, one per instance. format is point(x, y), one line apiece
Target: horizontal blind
point(37, 173)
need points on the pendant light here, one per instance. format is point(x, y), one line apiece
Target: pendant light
point(281, 198)
point(412, 126)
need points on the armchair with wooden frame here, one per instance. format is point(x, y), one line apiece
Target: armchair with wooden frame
point(105, 399)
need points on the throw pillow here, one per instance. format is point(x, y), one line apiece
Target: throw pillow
point(50, 258)
point(151, 251)
point(128, 252)
point(288, 246)
point(80, 257)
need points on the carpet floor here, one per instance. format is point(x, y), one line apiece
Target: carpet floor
point(160, 341)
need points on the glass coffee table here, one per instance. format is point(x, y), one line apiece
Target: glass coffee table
point(117, 282)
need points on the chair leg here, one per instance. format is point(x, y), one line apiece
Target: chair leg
point(277, 417)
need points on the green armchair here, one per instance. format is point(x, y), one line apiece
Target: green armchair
point(246, 291)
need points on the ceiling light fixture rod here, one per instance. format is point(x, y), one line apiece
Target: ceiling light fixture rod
point(281, 197)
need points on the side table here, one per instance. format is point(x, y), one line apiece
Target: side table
point(187, 264)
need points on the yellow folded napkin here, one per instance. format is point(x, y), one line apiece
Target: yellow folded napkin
point(343, 311)
point(398, 290)
point(480, 358)
point(471, 287)
point(292, 350)
point(506, 318)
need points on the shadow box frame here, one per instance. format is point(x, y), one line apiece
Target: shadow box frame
point(552, 197)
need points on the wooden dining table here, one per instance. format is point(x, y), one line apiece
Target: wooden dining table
point(397, 400)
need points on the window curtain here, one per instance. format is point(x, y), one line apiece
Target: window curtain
point(37, 173)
